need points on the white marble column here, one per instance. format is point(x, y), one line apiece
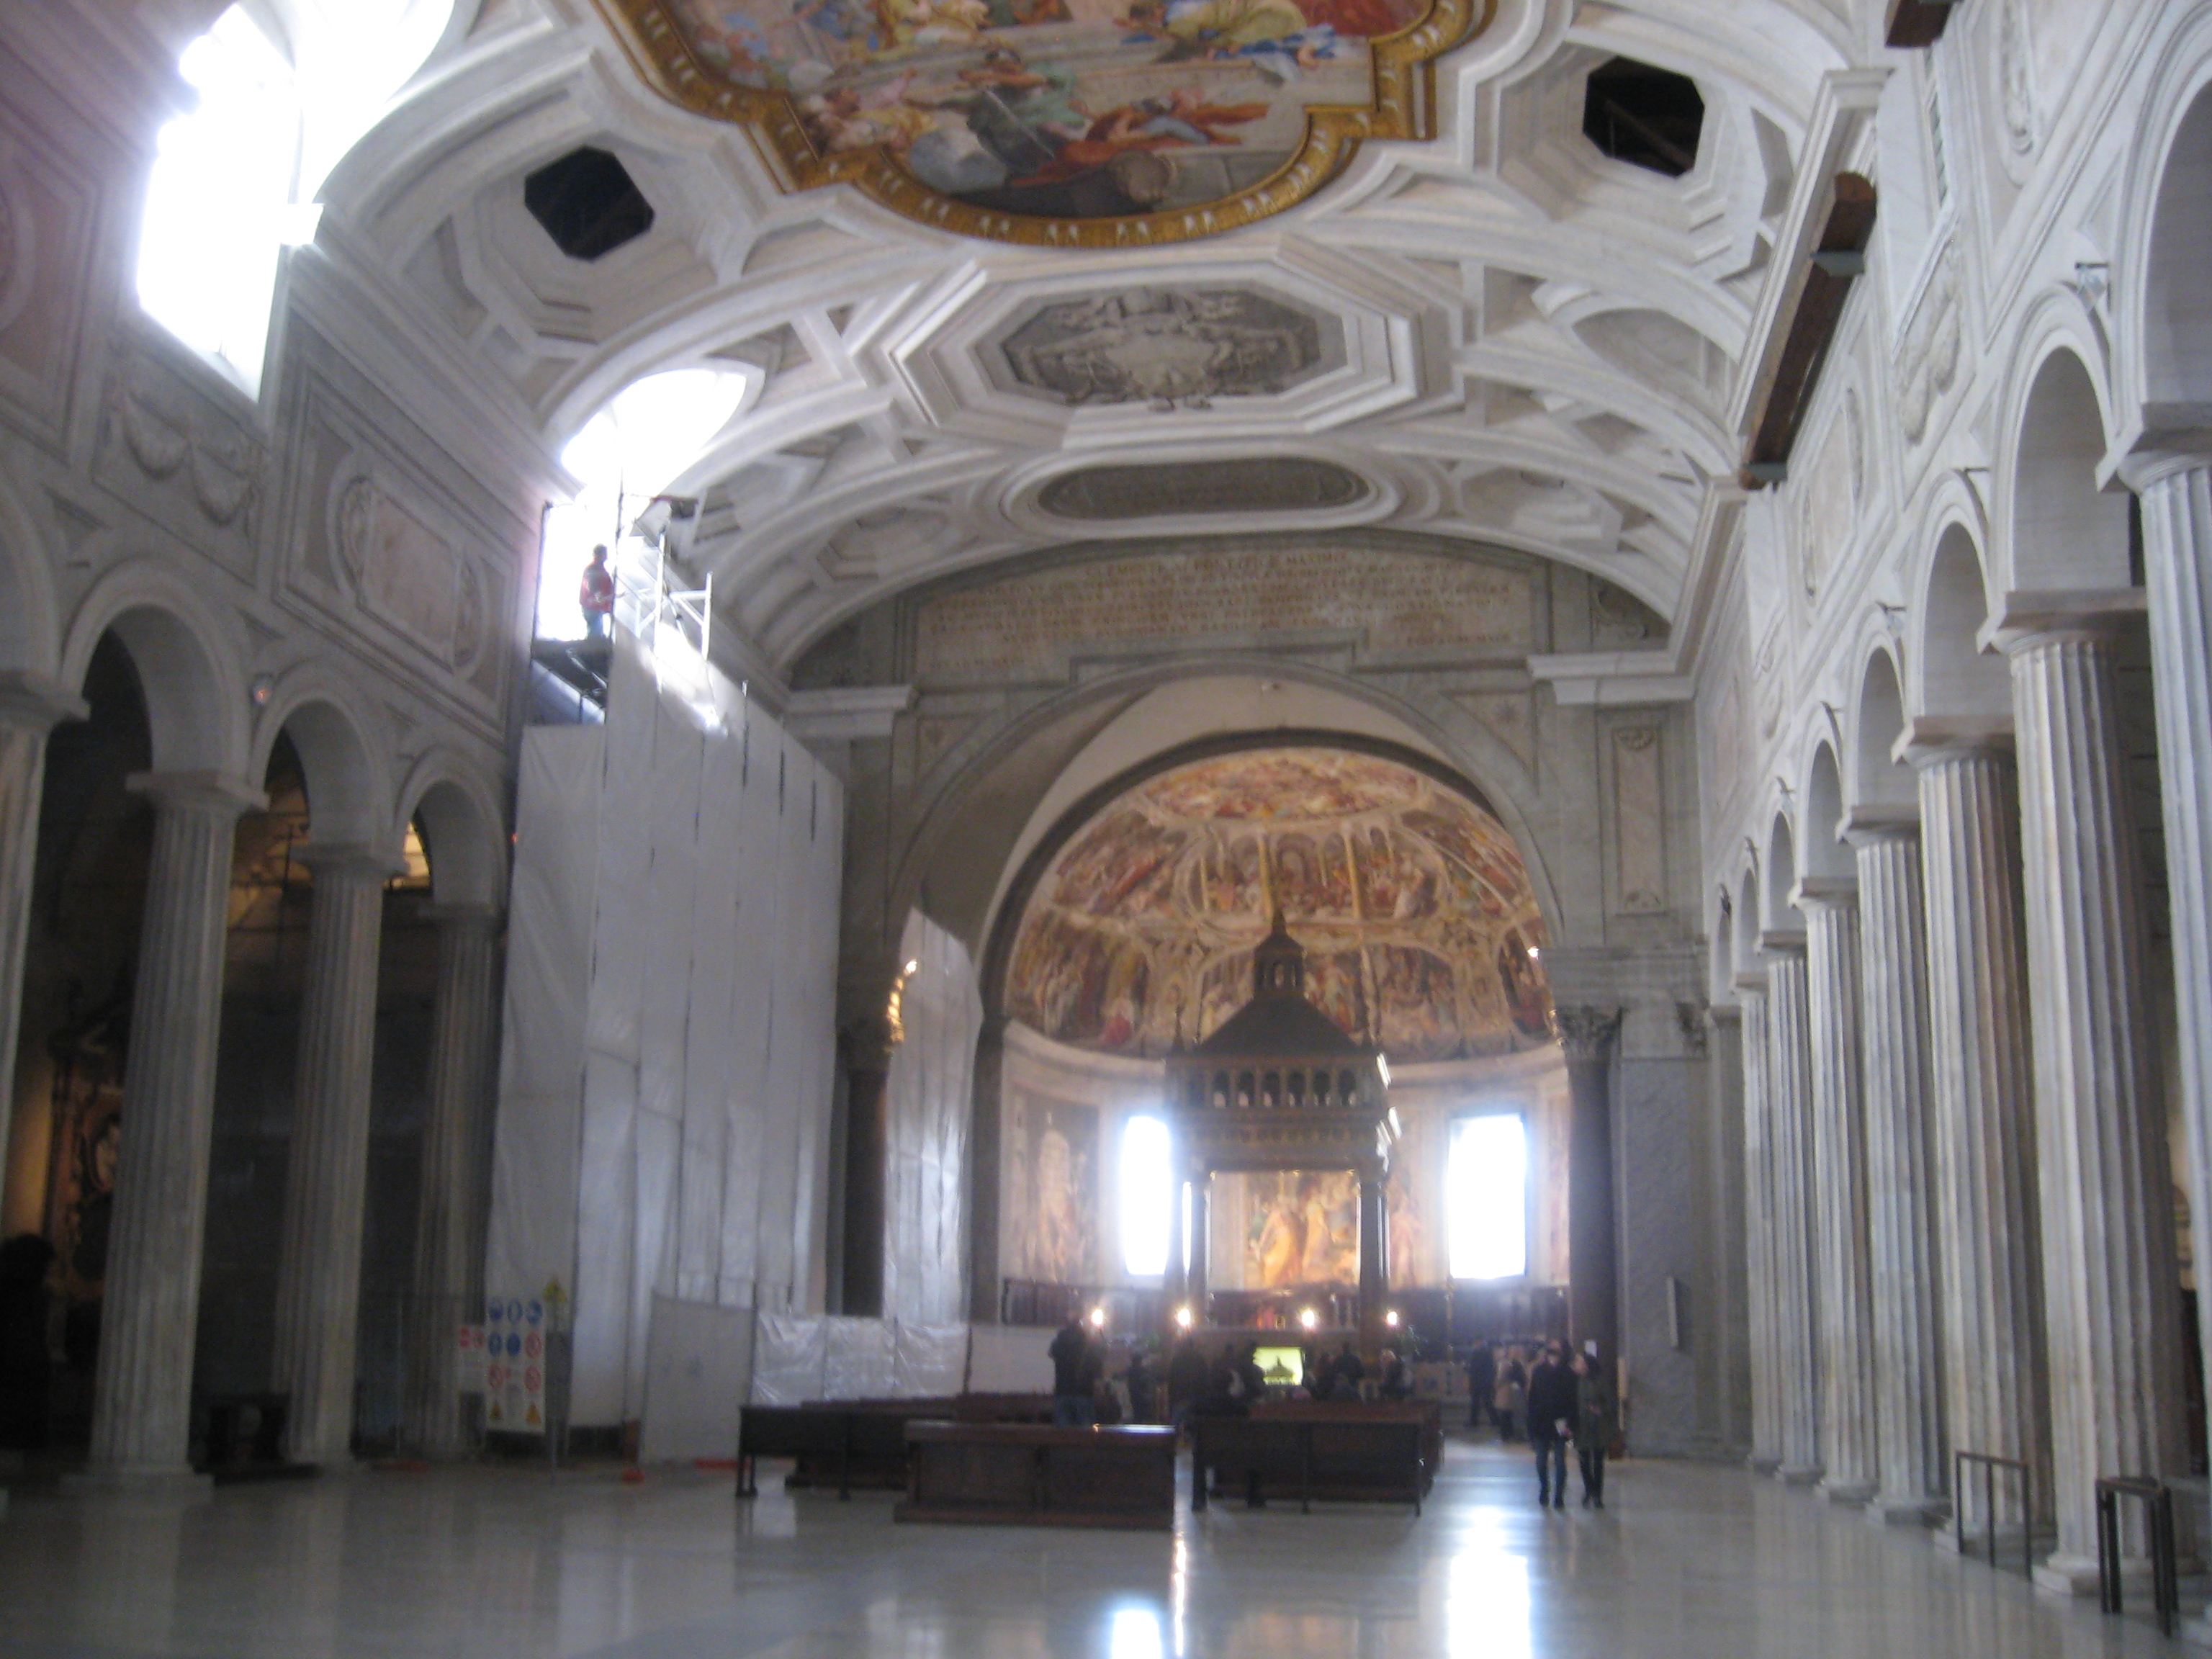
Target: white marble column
point(1988, 1221)
point(1842, 1268)
point(318, 1260)
point(1900, 1171)
point(1796, 1304)
point(142, 1397)
point(2109, 1270)
point(1759, 1229)
point(2177, 523)
point(30, 707)
point(449, 1229)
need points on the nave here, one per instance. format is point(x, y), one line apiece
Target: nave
point(1689, 1560)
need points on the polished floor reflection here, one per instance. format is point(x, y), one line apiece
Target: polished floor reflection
point(487, 1563)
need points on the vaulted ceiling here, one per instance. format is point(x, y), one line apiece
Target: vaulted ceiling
point(1501, 333)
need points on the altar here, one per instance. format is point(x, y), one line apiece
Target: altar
point(1278, 1087)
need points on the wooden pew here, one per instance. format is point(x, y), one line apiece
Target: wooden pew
point(860, 1442)
point(1034, 1475)
point(1348, 1452)
point(1428, 1412)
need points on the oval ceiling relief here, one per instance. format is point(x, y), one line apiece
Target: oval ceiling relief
point(1075, 122)
point(1417, 914)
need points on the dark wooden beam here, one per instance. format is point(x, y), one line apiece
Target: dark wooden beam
point(1916, 23)
point(1836, 262)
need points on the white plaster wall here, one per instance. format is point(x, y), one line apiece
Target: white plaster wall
point(927, 1105)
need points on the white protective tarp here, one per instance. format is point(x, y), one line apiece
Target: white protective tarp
point(533, 1236)
point(859, 1363)
point(790, 1352)
point(698, 1365)
point(1010, 1359)
point(928, 1099)
point(928, 1361)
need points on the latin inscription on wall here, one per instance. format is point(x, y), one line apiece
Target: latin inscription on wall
point(1023, 627)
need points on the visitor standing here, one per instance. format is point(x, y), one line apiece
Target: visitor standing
point(1187, 1377)
point(1551, 1424)
point(1143, 1389)
point(1348, 1373)
point(1482, 1384)
point(1596, 1423)
point(1512, 1384)
point(1071, 1375)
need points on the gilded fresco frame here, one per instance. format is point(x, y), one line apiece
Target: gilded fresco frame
point(1403, 107)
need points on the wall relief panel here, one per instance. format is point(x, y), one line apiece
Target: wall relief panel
point(180, 452)
point(46, 217)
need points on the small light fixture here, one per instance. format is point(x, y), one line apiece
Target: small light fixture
point(263, 689)
point(913, 967)
point(1390, 1318)
point(1098, 1319)
point(1183, 1317)
point(1308, 1318)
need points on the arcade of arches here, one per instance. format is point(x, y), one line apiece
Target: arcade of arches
point(1653, 567)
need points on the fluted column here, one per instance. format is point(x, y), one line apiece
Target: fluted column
point(1587, 1036)
point(1848, 1437)
point(1374, 1258)
point(1796, 1304)
point(2177, 522)
point(449, 1230)
point(1900, 1171)
point(2109, 1270)
point(29, 708)
point(1759, 1218)
point(1989, 1226)
point(1201, 1241)
point(318, 1259)
point(142, 1398)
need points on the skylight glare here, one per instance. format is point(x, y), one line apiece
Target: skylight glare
point(1147, 1191)
point(1486, 1181)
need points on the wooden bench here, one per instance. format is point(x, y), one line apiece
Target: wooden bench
point(1428, 1412)
point(859, 1443)
point(1344, 1452)
point(1033, 1474)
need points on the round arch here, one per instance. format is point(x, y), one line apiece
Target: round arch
point(1820, 855)
point(194, 705)
point(2162, 314)
point(1878, 780)
point(1777, 914)
point(348, 788)
point(1958, 679)
point(2063, 531)
point(462, 831)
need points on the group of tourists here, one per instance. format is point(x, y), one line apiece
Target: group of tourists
point(1555, 1399)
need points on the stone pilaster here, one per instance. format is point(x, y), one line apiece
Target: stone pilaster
point(2109, 1261)
point(1900, 1172)
point(1989, 1226)
point(30, 707)
point(1725, 1338)
point(1373, 1261)
point(142, 1398)
point(1796, 1303)
point(449, 1229)
point(1201, 1242)
point(1587, 1036)
point(1759, 1221)
point(1842, 1268)
point(2177, 521)
point(318, 1259)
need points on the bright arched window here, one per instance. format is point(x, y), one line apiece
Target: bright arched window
point(219, 203)
point(1147, 1196)
point(1487, 1196)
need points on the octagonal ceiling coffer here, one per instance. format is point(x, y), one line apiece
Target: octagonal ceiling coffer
point(587, 203)
point(1648, 118)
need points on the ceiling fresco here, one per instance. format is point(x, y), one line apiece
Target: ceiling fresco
point(1168, 347)
point(1102, 123)
point(1417, 914)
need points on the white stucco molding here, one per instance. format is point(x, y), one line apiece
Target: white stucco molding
point(844, 712)
point(1613, 679)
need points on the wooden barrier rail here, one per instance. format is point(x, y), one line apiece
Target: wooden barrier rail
point(1032, 1474)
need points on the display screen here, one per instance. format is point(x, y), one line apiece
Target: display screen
point(1284, 1368)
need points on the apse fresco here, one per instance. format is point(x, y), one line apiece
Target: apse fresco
point(1052, 1155)
point(1420, 928)
point(1038, 119)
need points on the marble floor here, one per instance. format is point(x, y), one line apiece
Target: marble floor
point(488, 1563)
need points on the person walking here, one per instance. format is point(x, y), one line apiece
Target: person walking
point(1512, 1386)
point(1551, 1424)
point(1482, 1384)
point(1071, 1375)
point(595, 596)
point(1596, 1423)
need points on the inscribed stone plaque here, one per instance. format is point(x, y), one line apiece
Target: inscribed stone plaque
point(1024, 627)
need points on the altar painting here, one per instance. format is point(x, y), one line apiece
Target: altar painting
point(1301, 1228)
point(1052, 1155)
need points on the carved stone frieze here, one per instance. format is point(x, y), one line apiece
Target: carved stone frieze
point(1928, 352)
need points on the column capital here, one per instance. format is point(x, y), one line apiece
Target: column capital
point(1749, 983)
point(1864, 826)
point(1782, 941)
point(1933, 738)
point(2026, 619)
point(1586, 1034)
point(1718, 1014)
point(37, 702)
point(1814, 893)
point(347, 860)
point(2172, 438)
point(204, 792)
